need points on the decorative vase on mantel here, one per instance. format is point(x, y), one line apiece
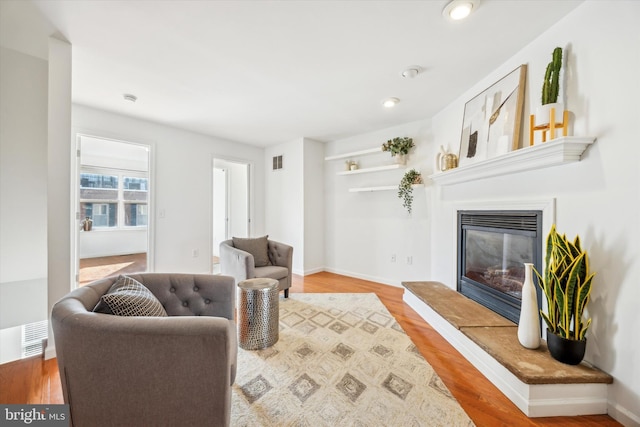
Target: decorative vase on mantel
point(401, 159)
point(529, 323)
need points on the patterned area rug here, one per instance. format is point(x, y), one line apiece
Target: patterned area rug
point(341, 360)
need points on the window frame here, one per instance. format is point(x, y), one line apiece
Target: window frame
point(120, 201)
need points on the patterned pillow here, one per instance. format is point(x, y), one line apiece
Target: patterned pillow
point(128, 297)
point(258, 247)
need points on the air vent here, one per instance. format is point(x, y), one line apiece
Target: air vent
point(32, 336)
point(277, 162)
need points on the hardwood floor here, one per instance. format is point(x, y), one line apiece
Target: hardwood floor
point(37, 381)
point(100, 267)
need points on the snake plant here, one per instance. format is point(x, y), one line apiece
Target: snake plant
point(566, 285)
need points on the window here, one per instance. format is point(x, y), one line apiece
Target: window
point(135, 214)
point(114, 199)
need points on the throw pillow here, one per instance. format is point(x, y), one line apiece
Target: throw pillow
point(257, 246)
point(128, 297)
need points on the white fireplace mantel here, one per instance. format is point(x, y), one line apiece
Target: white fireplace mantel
point(563, 150)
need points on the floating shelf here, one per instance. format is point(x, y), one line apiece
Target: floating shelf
point(382, 188)
point(559, 151)
point(373, 169)
point(355, 153)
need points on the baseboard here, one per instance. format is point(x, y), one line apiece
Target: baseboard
point(49, 351)
point(313, 271)
point(623, 415)
point(364, 277)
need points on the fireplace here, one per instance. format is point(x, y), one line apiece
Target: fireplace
point(492, 249)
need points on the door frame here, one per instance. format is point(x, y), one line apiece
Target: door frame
point(249, 196)
point(75, 192)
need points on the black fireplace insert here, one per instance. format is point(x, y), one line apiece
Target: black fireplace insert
point(492, 249)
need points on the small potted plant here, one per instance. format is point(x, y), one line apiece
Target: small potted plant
point(566, 285)
point(405, 189)
point(551, 90)
point(399, 147)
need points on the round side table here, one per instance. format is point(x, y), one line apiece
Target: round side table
point(258, 313)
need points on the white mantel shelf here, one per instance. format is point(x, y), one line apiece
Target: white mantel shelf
point(560, 151)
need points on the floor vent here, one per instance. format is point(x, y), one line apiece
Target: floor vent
point(33, 335)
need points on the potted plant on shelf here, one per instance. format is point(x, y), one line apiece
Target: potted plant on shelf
point(566, 285)
point(399, 147)
point(550, 90)
point(405, 189)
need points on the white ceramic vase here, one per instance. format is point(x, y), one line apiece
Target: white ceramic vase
point(529, 324)
point(401, 159)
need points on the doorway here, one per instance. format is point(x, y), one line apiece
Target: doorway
point(112, 209)
point(231, 208)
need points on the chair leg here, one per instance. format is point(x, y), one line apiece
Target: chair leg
point(286, 293)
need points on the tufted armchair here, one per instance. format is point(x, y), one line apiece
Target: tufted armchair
point(242, 264)
point(154, 371)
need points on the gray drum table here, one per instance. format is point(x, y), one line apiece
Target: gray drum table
point(258, 313)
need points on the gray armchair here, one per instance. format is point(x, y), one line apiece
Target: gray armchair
point(241, 264)
point(161, 371)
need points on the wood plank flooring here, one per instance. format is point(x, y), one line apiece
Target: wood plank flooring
point(37, 381)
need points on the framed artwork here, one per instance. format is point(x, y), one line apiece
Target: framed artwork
point(492, 120)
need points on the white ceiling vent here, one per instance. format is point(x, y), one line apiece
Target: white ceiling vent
point(277, 162)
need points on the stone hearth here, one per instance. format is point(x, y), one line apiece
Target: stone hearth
point(535, 382)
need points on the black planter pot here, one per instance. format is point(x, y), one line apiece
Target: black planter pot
point(566, 351)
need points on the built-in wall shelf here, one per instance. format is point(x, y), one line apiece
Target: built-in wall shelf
point(355, 153)
point(373, 169)
point(381, 188)
point(559, 151)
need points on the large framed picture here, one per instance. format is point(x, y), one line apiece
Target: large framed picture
point(492, 120)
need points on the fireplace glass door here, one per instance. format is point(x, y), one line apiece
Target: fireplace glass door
point(493, 247)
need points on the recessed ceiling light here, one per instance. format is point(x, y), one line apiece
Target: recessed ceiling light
point(129, 97)
point(390, 102)
point(410, 72)
point(459, 9)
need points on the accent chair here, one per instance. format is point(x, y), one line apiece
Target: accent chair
point(128, 370)
point(250, 258)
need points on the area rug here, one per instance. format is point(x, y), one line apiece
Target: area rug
point(341, 360)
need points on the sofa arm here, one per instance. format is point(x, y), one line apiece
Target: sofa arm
point(235, 262)
point(281, 254)
point(183, 362)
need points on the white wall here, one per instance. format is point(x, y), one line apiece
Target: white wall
point(596, 198)
point(284, 190)
point(294, 213)
point(364, 230)
point(23, 166)
point(60, 219)
point(99, 243)
point(181, 184)
point(238, 207)
point(313, 154)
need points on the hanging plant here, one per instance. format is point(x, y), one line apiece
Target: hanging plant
point(398, 145)
point(405, 189)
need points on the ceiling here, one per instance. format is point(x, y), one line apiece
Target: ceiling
point(267, 72)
